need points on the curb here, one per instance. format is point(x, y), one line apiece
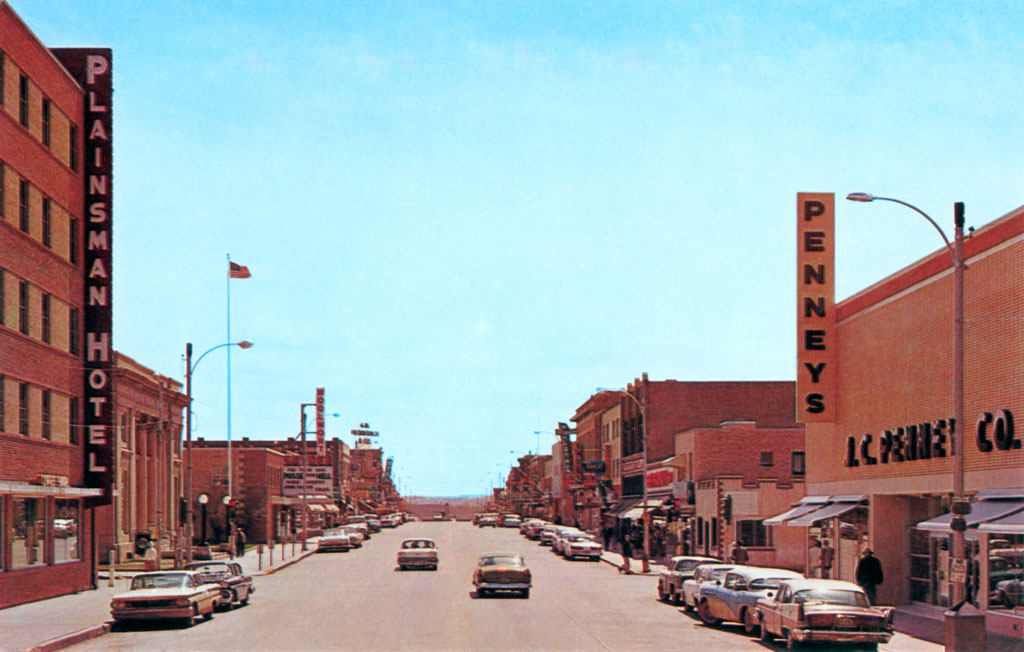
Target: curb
point(65, 640)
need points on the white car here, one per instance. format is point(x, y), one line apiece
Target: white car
point(357, 532)
point(561, 533)
point(334, 539)
point(582, 545)
point(547, 533)
point(678, 570)
point(418, 553)
point(168, 594)
point(702, 574)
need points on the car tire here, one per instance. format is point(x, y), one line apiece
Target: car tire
point(765, 635)
point(191, 620)
point(208, 615)
point(687, 607)
point(662, 597)
point(675, 597)
point(791, 643)
point(482, 593)
point(704, 610)
point(749, 624)
point(526, 594)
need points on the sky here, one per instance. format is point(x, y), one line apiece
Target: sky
point(461, 218)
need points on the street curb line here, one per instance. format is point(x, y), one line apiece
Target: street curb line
point(67, 640)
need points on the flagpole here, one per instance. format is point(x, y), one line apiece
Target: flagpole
point(229, 380)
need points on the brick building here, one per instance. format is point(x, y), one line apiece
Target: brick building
point(880, 467)
point(54, 311)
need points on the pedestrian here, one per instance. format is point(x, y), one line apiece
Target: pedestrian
point(814, 559)
point(240, 543)
point(627, 551)
point(869, 573)
point(606, 534)
point(827, 556)
point(739, 553)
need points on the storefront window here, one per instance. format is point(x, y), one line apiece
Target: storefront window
point(754, 534)
point(1006, 573)
point(66, 522)
point(29, 533)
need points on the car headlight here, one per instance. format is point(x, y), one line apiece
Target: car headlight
point(182, 602)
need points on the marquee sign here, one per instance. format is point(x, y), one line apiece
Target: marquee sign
point(815, 294)
point(318, 480)
point(92, 68)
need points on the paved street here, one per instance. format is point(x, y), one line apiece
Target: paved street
point(360, 601)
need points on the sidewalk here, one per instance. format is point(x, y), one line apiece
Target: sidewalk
point(62, 621)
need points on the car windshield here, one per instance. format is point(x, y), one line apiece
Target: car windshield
point(576, 538)
point(419, 543)
point(688, 564)
point(833, 596)
point(495, 560)
point(334, 532)
point(160, 581)
point(763, 583)
point(719, 573)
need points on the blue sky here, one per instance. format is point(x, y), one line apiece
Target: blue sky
point(462, 218)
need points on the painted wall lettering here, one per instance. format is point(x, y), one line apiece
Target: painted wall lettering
point(932, 439)
point(815, 262)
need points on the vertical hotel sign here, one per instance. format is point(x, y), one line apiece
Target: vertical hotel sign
point(92, 68)
point(815, 295)
point(321, 448)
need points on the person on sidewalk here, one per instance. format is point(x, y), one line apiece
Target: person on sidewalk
point(240, 543)
point(627, 550)
point(869, 573)
point(814, 559)
point(739, 553)
point(827, 556)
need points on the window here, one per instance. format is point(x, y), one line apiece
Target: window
point(23, 205)
point(47, 414)
point(799, 463)
point(46, 121)
point(29, 533)
point(47, 239)
point(73, 420)
point(66, 520)
point(766, 458)
point(23, 408)
point(46, 318)
point(2, 296)
point(73, 331)
point(753, 534)
point(2, 201)
point(1, 94)
point(23, 307)
point(73, 241)
point(3, 427)
point(23, 101)
point(73, 146)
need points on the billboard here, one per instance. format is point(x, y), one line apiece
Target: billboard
point(319, 480)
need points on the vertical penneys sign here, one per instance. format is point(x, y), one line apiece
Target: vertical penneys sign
point(815, 295)
point(321, 447)
point(92, 67)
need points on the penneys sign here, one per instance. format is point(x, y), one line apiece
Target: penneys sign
point(815, 296)
point(92, 68)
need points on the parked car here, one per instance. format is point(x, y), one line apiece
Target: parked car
point(702, 575)
point(335, 539)
point(583, 545)
point(524, 526)
point(236, 586)
point(832, 611)
point(532, 528)
point(502, 571)
point(358, 532)
point(487, 520)
point(418, 553)
point(677, 571)
point(734, 598)
point(547, 533)
point(181, 595)
point(511, 520)
point(561, 532)
point(373, 522)
point(1010, 592)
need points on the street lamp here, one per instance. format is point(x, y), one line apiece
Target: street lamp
point(189, 370)
point(960, 506)
point(305, 509)
point(646, 567)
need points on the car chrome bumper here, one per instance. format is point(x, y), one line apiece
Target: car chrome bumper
point(502, 586)
point(840, 636)
point(417, 562)
point(142, 613)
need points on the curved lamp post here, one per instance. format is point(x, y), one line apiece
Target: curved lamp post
point(190, 368)
point(646, 567)
point(960, 507)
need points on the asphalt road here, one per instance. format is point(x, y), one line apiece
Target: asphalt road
point(361, 601)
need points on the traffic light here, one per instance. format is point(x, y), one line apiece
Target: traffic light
point(231, 509)
point(726, 507)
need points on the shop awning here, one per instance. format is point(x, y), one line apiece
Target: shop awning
point(837, 505)
point(982, 511)
point(1009, 524)
point(332, 508)
point(315, 508)
point(637, 511)
point(806, 505)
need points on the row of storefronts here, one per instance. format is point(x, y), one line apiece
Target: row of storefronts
point(858, 453)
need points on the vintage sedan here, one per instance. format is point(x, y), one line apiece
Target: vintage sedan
point(335, 539)
point(532, 528)
point(547, 533)
point(562, 532)
point(831, 611)
point(502, 571)
point(511, 520)
point(703, 574)
point(418, 553)
point(182, 595)
point(236, 586)
point(487, 520)
point(1009, 592)
point(734, 598)
point(357, 533)
point(678, 570)
point(581, 544)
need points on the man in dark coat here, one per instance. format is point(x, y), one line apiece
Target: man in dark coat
point(869, 573)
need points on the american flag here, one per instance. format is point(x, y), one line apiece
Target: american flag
point(238, 271)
